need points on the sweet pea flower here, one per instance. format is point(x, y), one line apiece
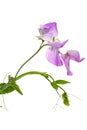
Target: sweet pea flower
point(48, 31)
point(71, 55)
point(53, 54)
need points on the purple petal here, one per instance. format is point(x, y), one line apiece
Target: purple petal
point(53, 56)
point(66, 60)
point(48, 31)
point(74, 55)
point(58, 44)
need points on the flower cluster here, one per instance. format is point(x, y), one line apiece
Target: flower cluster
point(49, 33)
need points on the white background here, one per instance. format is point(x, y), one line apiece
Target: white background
point(37, 109)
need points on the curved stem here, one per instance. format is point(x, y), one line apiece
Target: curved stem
point(51, 77)
point(41, 46)
point(44, 74)
point(33, 72)
point(62, 89)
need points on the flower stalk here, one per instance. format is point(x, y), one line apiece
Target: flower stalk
point(41, 46)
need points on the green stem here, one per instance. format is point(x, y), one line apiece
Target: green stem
point(62, 89)
point(41, 46)
point(44, 74)
point(33, 72)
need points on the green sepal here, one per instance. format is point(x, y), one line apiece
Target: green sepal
point(65, 99)
point(39, 38)
point(61, 81)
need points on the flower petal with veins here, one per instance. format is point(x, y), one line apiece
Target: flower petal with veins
point(71, 55)
point(66, 60)
point(74, 55)
point(53, 56)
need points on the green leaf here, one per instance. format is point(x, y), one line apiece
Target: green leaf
point(16, 87)
point(62, 81)
point(3, 86)
point(65, 99)
point(6, 88)
point(54, 85)
point(10, 86)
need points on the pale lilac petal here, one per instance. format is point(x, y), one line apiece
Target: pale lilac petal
point(48, 31)
point(58, 44)
point(74, 55)
point(66, 61)
point(53, 56)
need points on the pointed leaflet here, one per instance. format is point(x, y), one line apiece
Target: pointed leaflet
point(6, 88)
point(16, 87)
point(12, 83)
point(61, 81)
point(9, 87)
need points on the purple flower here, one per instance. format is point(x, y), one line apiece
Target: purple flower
point(48, 31)
point(71, 55)
point(53, 54)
